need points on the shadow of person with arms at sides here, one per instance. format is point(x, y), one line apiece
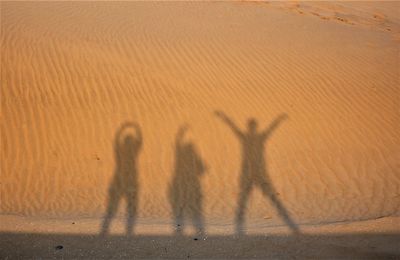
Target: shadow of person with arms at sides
point(185, 193)
point(124, 184)
point(254, 170)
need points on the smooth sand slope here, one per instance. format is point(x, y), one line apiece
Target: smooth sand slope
point(322, 80)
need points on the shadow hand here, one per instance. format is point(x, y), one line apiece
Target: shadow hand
point(220, 114)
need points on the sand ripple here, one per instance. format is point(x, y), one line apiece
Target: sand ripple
point(72, 73)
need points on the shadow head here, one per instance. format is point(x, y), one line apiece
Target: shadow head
point(252, 124)
point(130, 144)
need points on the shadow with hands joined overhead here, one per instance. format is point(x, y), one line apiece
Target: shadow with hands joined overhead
point(185, 194)
point(124, 183)
point(254, 169)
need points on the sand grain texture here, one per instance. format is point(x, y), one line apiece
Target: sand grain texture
point(73, 72)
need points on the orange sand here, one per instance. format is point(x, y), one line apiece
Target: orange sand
point(73, 72)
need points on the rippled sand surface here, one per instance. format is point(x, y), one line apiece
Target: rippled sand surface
point(72, 73)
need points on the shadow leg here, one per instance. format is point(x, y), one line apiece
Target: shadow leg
point(111, 209)
point(245, 189)
point(179, 221)
point(269, 191)
point(131, 213)
point(197, 218)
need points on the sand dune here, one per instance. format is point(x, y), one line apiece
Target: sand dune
point(73, 72)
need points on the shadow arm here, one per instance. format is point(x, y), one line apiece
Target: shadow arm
point(180, 135)
point(229, 123)
point(121, 130)
point(139, 135)
point(273, 126)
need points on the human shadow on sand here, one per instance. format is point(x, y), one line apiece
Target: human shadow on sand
point(185, 194)
point(254, 168)
point(125, 181)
